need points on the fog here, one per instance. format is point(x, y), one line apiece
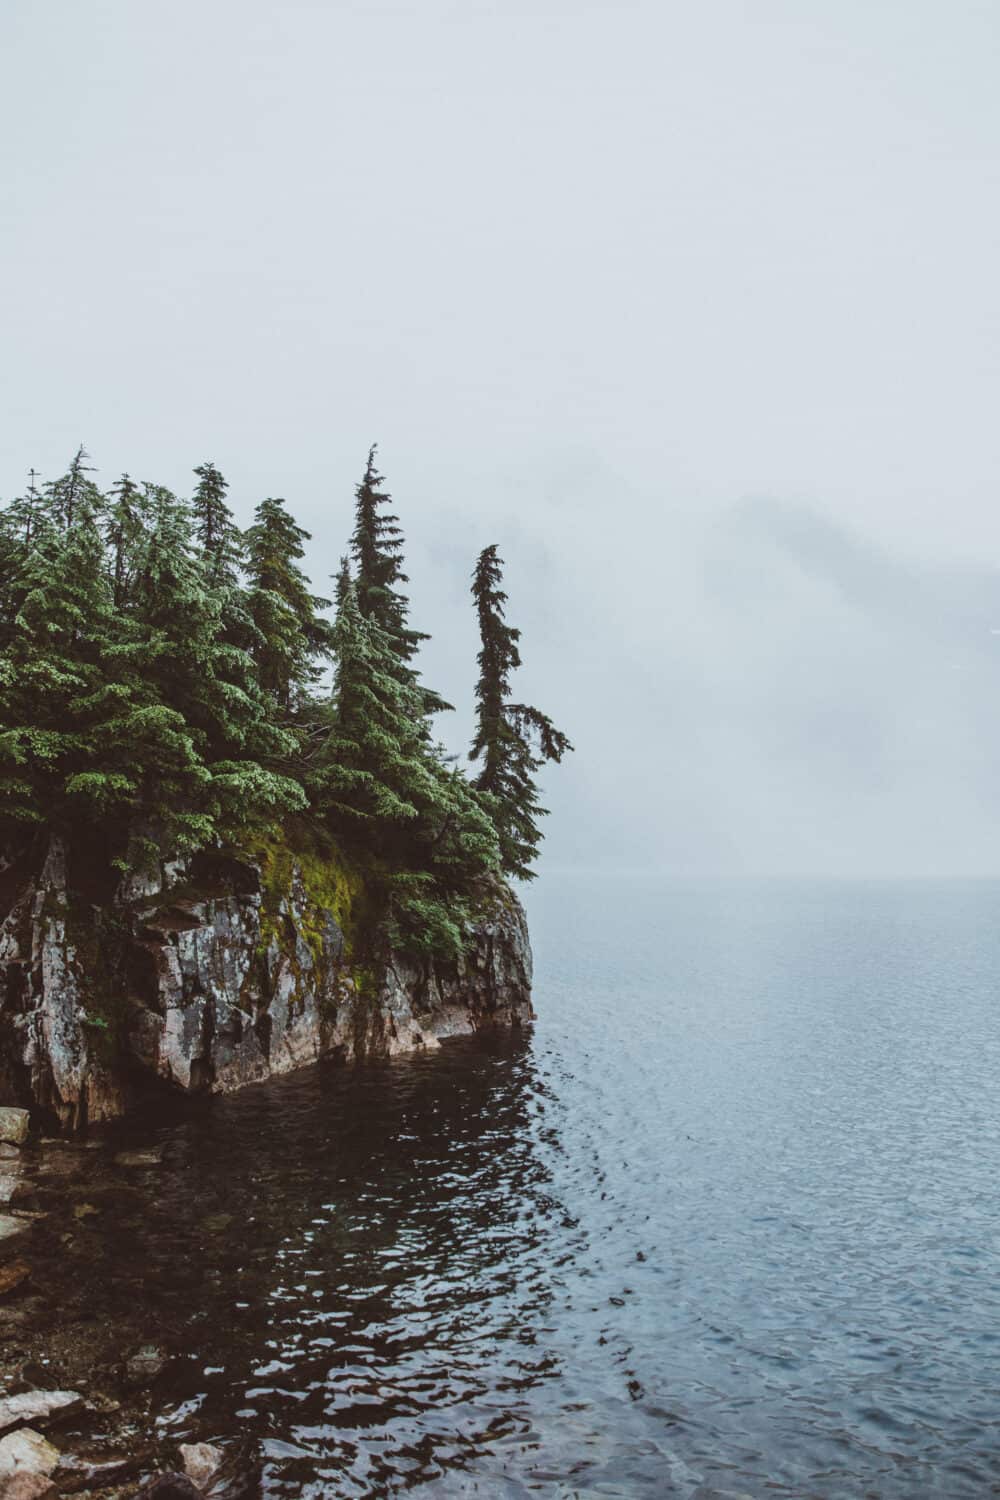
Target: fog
point(692, 308)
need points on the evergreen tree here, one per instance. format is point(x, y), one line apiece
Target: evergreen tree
point(377, 548)
point(379, 780)
point(513, 739)
point(123, 529)
point(52, 675)
point(19, 525)
point(214, 758)
point(342, 583)
point(291, 636)
point(214, 528)
point(149, 697)
point(372, 764)
point(65, 496)
point(23, 516)
point(135, 712)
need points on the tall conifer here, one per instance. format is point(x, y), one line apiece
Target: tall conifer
point(291, 635)
point(123, 530)
point(513, 740)
point(377, 549)
point(214, 528)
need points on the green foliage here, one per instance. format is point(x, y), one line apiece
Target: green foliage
point(160, 695)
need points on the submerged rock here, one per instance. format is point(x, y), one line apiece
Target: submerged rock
point(12, 1275)
point(171, 1486)
point(28, 1451)
point(143, 1367)
point(23, 1485)
point(38, 1407)
point(76, 1473)
point(11, 1229)
point(201, 1461)
point(151, 1156)
point(14, 1125)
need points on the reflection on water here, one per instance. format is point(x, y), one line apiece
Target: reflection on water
point(725, 1224)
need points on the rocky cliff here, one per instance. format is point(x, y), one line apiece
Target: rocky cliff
point(218, 973)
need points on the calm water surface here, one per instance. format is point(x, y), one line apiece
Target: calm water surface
point(726, 1223)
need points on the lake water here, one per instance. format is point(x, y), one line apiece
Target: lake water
point(726, 1223)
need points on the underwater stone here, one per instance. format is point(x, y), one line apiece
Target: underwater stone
point(14, 1124)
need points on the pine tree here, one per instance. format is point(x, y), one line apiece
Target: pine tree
point(379, 780)
point(65, 496)
point(342, 582)
point(19, 525)
point(291, 636)
point(52, 676)
point(377, 548)
point(216, 532)
point(133, 712)
point(23, 516)
point(217, 760)
point(148, 698)
point(513, 739)
point(123, 528)
point(372, 763)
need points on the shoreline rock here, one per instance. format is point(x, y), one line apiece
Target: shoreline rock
point(205, 978)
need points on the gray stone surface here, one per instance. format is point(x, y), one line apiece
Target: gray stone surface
point(27, 1451)
point(23, 1485)
point(200, 1460)
point(12, 1228)
point(213, 999)
point(38, 1407)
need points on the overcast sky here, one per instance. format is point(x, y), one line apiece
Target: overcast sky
point(694, 308)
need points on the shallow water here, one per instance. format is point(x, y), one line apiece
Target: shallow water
point(726, 1222)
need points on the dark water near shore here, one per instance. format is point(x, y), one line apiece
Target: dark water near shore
point(727, 1222)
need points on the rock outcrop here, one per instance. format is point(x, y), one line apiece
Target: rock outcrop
point(218, 974)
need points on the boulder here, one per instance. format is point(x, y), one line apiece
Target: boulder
point(142, 1367)
point(76, 1472)
point(27, 1450)
point(37, 1406)
point(200, 1460)
point(23, 1485)
point(14, 1125)
point(12, 1274)
point(11, 1229)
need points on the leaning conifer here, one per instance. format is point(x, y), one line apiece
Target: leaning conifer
point(512, 740)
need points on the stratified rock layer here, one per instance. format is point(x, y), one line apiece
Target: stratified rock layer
point(217, 975)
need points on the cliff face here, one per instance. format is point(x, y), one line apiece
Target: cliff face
point(217, 974)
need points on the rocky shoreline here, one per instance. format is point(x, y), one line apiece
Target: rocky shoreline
point(228, 970)
point(75, 1408)
point(198, 981)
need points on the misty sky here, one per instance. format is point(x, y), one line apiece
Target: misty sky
point(694, 308)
